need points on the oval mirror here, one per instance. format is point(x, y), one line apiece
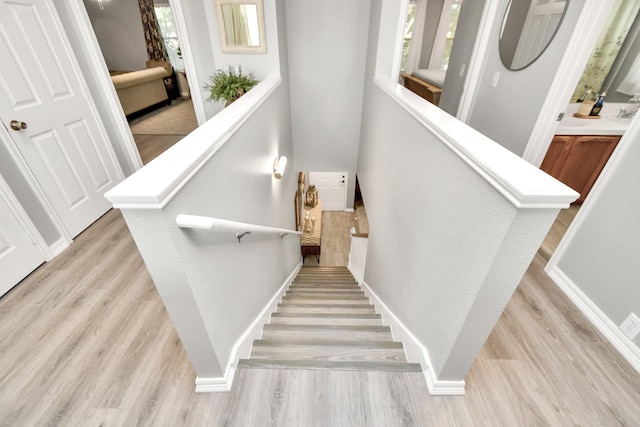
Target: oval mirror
point(528, 28)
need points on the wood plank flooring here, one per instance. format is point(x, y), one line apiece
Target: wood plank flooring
point(85, 341)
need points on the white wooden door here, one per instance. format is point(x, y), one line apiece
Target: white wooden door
point(332, 189)
point(63, 143)
point(541, 23)
point(18, 253)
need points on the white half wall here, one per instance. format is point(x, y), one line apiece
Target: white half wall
point(213, 286)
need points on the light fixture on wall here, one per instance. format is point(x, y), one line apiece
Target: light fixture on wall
point(278, 167)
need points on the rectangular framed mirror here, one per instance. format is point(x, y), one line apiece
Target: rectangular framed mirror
point(241, 26)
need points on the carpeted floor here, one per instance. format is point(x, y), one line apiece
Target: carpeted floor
point(175, 119)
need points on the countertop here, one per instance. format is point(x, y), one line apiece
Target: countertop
point(607, 124)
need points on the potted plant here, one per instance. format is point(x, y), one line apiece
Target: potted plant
point(229, 85)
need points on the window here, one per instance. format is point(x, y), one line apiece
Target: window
point(454, 13)
point(408, 34)
point(170, 35)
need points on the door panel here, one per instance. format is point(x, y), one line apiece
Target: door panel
point(63, 144)
point(332, 189)
point(18, 255)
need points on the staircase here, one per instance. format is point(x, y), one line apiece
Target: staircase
point(325, 322)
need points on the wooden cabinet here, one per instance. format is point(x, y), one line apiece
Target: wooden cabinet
point(577, 160)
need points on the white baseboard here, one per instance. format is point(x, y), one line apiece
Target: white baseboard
point(600, 321)
point(416, 352)
point(59, 246)
point(242, 347)
point(216, 384)
point(349, 210)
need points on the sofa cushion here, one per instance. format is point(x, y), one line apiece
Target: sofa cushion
point(133, 78)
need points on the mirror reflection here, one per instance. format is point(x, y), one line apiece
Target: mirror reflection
point(528, 28)
point(613, 66)
point(241, 26)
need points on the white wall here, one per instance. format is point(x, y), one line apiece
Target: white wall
point(507, 113)
point(466, 34)
point(327, 43)
point(599, 256)
point(447, 246)
point(432, 20)
point(213, 286)
point(119, 31)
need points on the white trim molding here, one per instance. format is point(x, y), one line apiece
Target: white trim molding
point(153, 186)
point(242, 347)
point(415, 350)
point(523, 184)
point(597, 317)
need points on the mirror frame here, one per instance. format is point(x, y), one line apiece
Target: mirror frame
point(235, 48)
point(533, 60)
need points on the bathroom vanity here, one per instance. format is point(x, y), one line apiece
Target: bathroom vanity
point(581, 147)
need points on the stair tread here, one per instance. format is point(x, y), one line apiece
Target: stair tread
point(312, 305)
point(330, 315)
point(301, 327)
point(335, 343)
point(330, 365)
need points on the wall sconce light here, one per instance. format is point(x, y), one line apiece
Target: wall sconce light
point(278, 167)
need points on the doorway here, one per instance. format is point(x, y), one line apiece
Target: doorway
point(120, 35)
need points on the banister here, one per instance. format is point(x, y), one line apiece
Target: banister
point(241, 228)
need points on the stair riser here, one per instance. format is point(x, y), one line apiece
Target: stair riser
point(328, 335)
point(318, 300)
point(336, 309)
point(321, 321)
point(324, 295)
point(328, 353)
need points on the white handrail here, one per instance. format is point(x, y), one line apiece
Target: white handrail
point(241, 228)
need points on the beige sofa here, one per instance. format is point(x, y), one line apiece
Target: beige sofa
point(140, 89)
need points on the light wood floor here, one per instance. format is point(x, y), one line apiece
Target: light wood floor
point(86, 341)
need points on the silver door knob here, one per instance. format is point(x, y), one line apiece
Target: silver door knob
point(16, 125)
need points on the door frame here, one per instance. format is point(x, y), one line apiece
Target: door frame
point(571, 67)
point(48, 251)
point(23, 218)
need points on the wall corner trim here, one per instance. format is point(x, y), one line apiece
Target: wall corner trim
point(415, 350)
point(242, 347)
point(597, 317)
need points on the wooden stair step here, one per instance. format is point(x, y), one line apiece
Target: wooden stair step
point(325, 321)
point(329, 315)
point(325, 308)
point(329, 365)
point(340, 292)
point(323, 286)
point(305, 342)
point(322, 335)
point(326, 332)
point(308, 328)
point(325, 296)
point(315, 353)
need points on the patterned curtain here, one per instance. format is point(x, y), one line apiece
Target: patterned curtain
point(607, 47)
point(156, 51)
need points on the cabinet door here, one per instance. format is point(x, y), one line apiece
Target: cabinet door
point(557, 154)
point(585, 161)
